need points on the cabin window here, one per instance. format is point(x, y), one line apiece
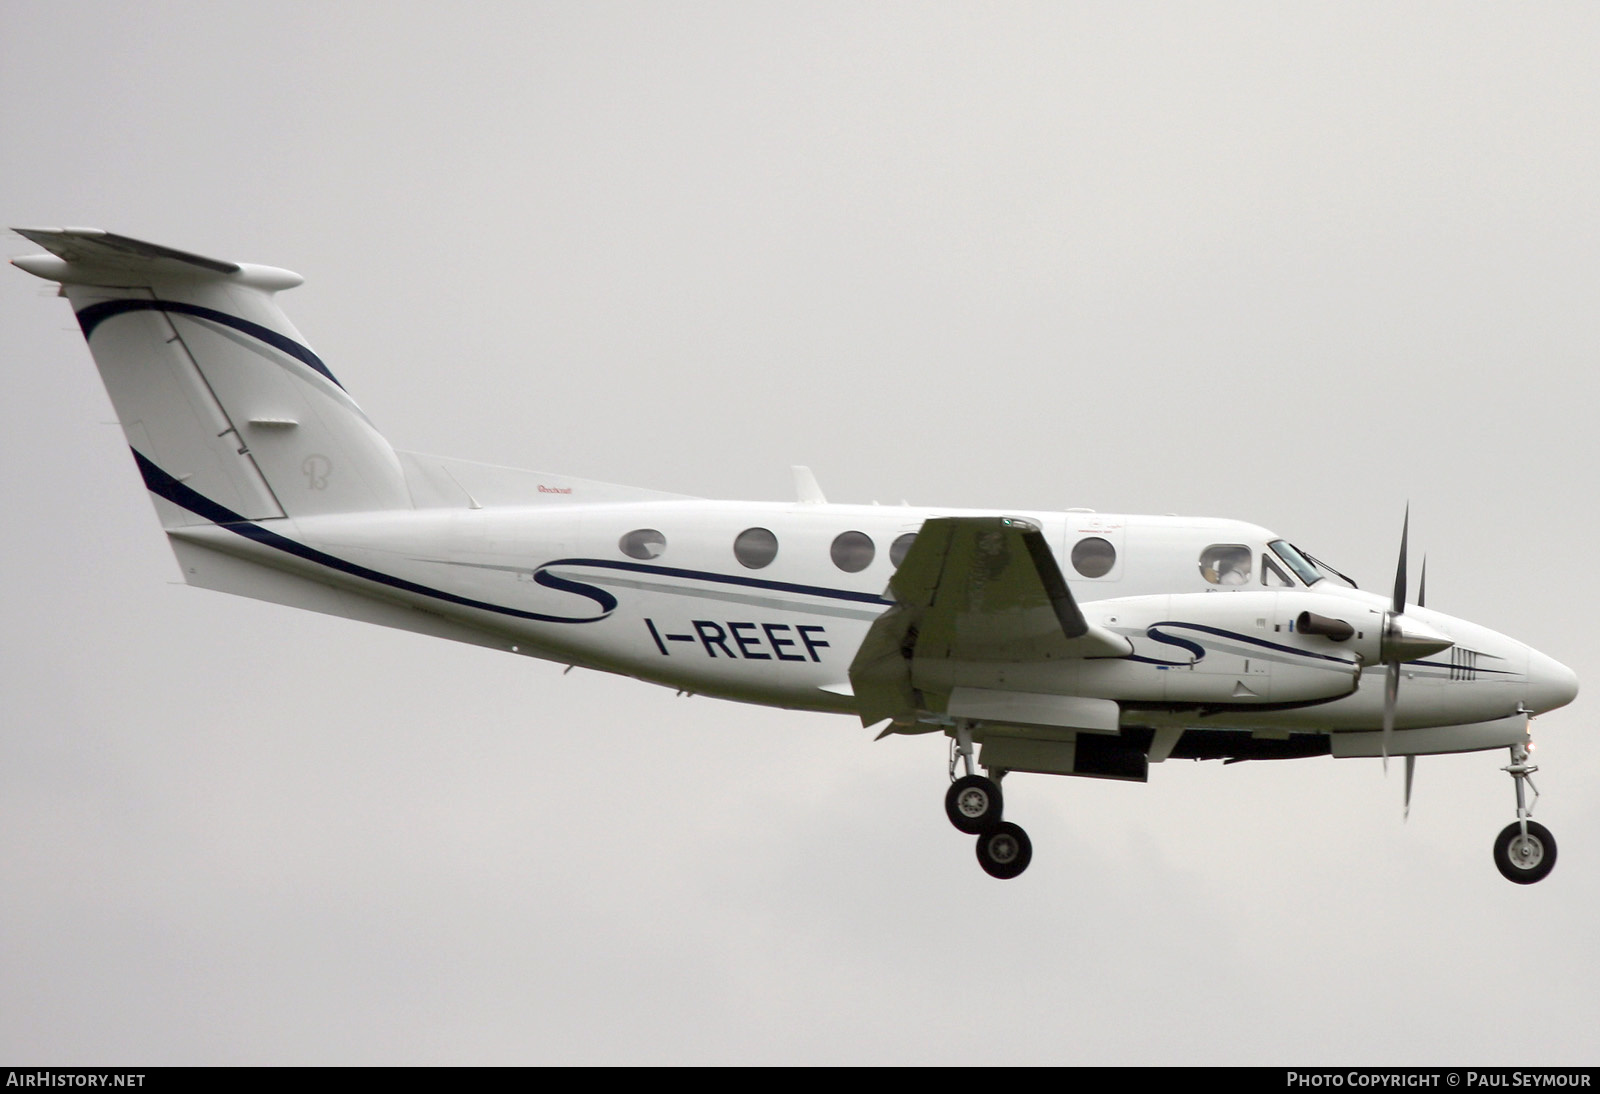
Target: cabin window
point(643, 543)
point(852, 551)
point(1093, 556)
point(755, 548)
point(1226, 564)
point(898, 549)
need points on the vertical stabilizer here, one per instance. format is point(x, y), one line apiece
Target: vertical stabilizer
point(213, 386)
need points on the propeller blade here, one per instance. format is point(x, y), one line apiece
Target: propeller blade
point(1391, 692)
point(1411, 769)
point(1404, 640)
point(1400, 570)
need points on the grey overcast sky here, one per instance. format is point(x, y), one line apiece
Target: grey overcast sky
point(1292, 263)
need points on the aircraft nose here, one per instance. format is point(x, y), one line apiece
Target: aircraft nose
point(1550, 683)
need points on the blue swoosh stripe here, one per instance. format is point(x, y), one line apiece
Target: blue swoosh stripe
point(164, 485)
point(1442, 665)
point(1195, 649)
point(95, 314)
point(1200, 651)
point(1237, 637)
point(725, 579)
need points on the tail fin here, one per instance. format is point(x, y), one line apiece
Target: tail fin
point(213, 386)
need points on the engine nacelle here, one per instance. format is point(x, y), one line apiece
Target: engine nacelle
point(1238, 648)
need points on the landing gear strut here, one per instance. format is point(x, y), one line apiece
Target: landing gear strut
point(974, 805)
point(1525, 851)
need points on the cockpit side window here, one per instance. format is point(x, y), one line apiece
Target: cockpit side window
point(1273, 575)
point(1296, 561)
point(1226, 564)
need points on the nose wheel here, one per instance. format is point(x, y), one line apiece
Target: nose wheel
point(1525, 851)
point(1525, 857)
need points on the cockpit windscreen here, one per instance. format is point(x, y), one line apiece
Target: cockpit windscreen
point(1296, 561)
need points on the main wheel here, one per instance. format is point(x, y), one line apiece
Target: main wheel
point(973, 804)
point(1525, 859)
point(1004, 851)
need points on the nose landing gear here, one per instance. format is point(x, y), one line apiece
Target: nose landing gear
point(1525, 851)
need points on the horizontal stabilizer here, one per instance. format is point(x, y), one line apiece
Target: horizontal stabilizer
point(206, 568)
point(91, 249)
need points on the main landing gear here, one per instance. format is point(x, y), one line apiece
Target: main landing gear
point(974, 805)
point(1525, 852)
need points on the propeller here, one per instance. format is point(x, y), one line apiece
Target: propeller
point(1391, 625)
point(1404, 640)
point(1411, 757)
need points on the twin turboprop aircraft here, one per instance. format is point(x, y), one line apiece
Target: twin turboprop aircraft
point(1071, 643)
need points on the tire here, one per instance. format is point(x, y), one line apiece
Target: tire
point(1004, 851)
point(973, 804)
point(1525, 861)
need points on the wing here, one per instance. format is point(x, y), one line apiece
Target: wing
point(972, 590)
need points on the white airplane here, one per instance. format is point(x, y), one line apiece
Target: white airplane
point(1072, 643)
